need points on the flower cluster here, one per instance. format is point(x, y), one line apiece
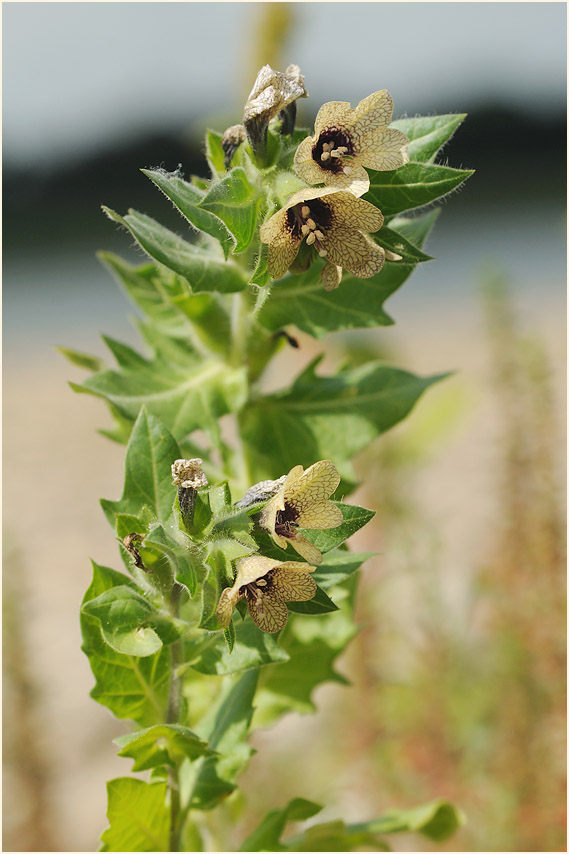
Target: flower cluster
point(299, 500)
point(334, 220)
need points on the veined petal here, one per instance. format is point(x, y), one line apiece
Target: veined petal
point(269, 613)
point(374, 111)
point(356, 253)
point(250, 569)
point(355, 213)
point(226, 606)
point(305, 548)
point(320, 516)
point(282, 252)
point(385, 149)
point(293, 582)
point(331, 276)
point(332, 114)
point(316, 485)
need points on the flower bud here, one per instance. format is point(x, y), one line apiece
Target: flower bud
point(232, 139)
point(188, 476)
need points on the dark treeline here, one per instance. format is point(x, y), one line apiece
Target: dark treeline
point(516, 157)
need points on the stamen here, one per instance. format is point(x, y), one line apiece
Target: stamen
point(311, 238)
point(325, 155)
point(319, 234)
point(323, 253)
point(335, 153)
point(305, 211)
point(305, 229)
point(311, 224)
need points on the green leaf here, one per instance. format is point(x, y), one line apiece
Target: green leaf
point(214, 152)
point(417, 228)
point(331, 417)
point(335, 836)
point(153, 290)
point(81, 360)
point(163, 744)
point(337, 566)
point(124, 614)
point(203, 270)
point(225, 727)
point(187, 197)
point(313, 643)
point(185, 395)
point(412, 186)
point(138, 816)
point(391, 239)
point(357, 303)
point(319, 604)
point(267, 836)
point(428, 134)
point(236, 202)
point(437, 820)
point(148, 478)
point(130, 687)
point(253, 648)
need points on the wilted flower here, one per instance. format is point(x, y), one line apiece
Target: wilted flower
point(188, 474)
point(266, 584)
point(272, 94)
point(346, 140)
point(302, 502)
point(334, 222)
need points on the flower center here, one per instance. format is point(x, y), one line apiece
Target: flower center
point(285, 522)
point(255, 590)
point(332, 146)
point(310, 220)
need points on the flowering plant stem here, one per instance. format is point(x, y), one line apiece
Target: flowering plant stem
point(229, 525)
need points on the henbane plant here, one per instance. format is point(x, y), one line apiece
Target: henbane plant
point(238, 589)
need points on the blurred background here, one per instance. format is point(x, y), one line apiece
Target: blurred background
point(458, 673)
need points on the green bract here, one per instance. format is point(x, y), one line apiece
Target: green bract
point(211, 319)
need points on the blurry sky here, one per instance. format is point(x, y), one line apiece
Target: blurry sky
point(77, 75)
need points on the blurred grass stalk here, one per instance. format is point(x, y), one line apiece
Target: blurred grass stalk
point(470, 703)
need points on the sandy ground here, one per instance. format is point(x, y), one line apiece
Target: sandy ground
point(56, 467)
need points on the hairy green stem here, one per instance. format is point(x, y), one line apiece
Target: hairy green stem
point(172, 717)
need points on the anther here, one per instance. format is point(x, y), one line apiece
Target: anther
point(305, 211)
point(311, 238)
point(305, 229)
point(311, 224)
point(319, 234)
point(325, 155)
point(323, 253)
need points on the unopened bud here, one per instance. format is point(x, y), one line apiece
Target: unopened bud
point(188, 476)
point(232, 139)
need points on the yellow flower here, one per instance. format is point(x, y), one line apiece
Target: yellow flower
point(302, 502)
point(346, 140)
point(266, 584)
point(334, 222)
